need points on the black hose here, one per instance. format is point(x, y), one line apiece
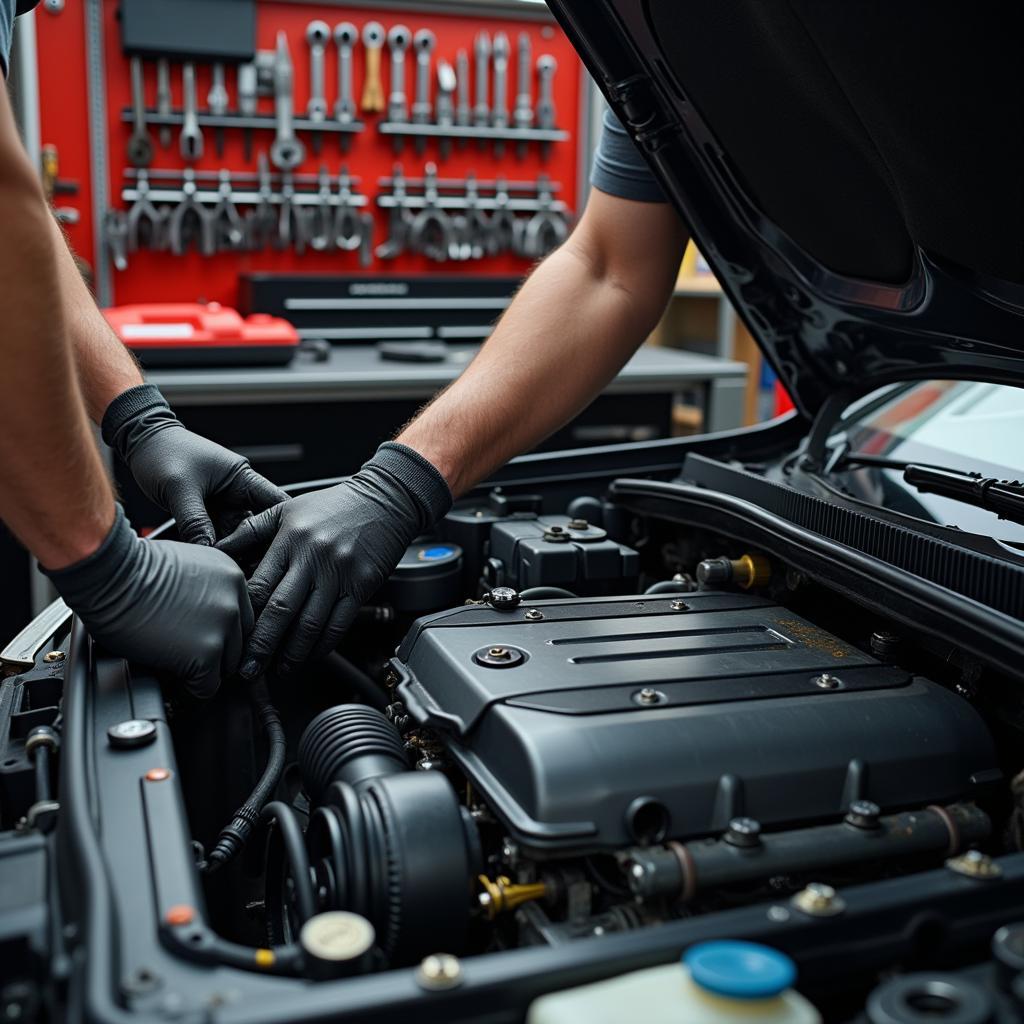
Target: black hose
point(668, 587)
point(236, 833)
point(545, 593)
point(356, 678)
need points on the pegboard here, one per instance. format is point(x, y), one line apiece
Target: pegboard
point(162, 276)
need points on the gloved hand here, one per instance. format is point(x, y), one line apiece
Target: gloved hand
point(191, 477)
point(330, 550)
point(175, 607)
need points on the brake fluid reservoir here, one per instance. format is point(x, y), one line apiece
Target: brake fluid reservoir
point(717, 983)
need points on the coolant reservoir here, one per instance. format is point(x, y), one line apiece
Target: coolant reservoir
point(717, 983)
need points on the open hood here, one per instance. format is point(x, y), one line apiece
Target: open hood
point(852, 172)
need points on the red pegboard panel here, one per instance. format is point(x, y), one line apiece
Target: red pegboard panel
point(160, 277)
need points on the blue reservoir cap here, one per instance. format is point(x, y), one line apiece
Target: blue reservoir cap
point(435, 554)
point(740, 970)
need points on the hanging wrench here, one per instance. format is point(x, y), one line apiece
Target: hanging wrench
point(318, 35)
point(522, 115)
point(345, 37)
point(499, 118)
point(482, 109)
point(287, 152)
point(163, 98)
point(217, 103)
point(445, 106)
point(248, 100)
point(373, 90)
point(398, 106)
point(191, 137)
point(546, 68)
point(140, 145)
point(463, 117)
point(423, 43)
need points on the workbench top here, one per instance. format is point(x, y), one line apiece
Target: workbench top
point(358, 373)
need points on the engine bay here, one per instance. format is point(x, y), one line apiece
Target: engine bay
point(547, 730)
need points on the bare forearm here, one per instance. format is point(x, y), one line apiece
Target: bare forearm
point(56, 497)
point(570, 329)
point(105, 366)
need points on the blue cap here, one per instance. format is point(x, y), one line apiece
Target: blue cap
point(436, 553)
point(740, 970)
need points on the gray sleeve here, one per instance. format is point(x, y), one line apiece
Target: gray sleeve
point(619, 169)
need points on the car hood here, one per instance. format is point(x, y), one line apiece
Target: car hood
point(852, 173)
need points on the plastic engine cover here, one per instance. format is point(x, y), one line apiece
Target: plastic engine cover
point(569, 722)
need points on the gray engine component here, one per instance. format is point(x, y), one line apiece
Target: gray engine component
point(593, 724)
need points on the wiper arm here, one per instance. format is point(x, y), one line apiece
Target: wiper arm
point(1004, 497)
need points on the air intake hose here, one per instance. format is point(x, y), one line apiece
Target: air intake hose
point(393, 845)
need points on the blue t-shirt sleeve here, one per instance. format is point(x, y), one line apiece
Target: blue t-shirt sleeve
point(619, 169)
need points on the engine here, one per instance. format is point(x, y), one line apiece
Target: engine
point(550, 766)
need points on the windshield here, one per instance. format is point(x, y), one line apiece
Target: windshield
point(961, 425)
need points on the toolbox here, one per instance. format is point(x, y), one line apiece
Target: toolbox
point(301, 139)
point(196, 334)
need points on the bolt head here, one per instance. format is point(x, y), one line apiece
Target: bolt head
point(819, 900)
point(648, 696)
point(678, 606)
point(439, 971)
point(975, 864)
point(744, 832)
point(863, 814)
point(579, 524)
point(534, 614)
point(52, 656)
point(827, 681)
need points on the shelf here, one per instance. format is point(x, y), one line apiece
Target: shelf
point(454, 131)
point(256, 122)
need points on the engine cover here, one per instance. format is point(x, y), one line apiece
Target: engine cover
point(602, 722)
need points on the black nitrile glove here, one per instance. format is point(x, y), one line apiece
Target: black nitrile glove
point(175, 607)
point(194, 479)
point(330, 550)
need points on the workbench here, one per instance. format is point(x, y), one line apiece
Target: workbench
point(310, 419)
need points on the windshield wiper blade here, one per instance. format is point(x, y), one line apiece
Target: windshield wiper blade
point(1004, 497)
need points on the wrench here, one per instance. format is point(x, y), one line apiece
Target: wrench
point(463, 117)
point(143, 212)
point(163, 98)
point(286, 152)
point(115, 235)
point(318, 35)
point(522, 115)
point(320, 216)
point(191, 140)
point(398, 106)
point(445, 106)
point(399, 220)
point(248, 90)
point(140, 145)
point(430, 231)
point(366, 239)
point(546, 68)
point(373, 90)
point(190, 204)
point(423, 43)
point(226, 224)
point(259, 221)
point(345, 38)
point(482, 109)
point(499, 118)
point(217, 102)
point(346, 232)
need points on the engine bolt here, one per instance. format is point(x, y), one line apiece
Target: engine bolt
point(499, 652)
point(819, 900)
point(827, 681)
point(744, 833)
point(648, 696)
point(52, 656)
point(579, 524)
point(974, 864)
point(863, 814)
point(439, 971)
point(678, 606)
point(534, 614)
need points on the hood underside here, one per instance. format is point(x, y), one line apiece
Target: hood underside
point(852, 172)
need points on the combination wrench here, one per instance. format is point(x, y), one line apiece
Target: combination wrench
point(345, 37)
point(248, 102)
point(140, 145)
point(463, 114)
point(191, 140)
point(398, 106)
point(499, 115)
point(522, 114)
point(286, 152)
point(445, 105)
point(482, 108)
point(423, 43)
point(318, 35)
point(546, 67)
point(373, 91)
point(217, 103)
point(163, 98)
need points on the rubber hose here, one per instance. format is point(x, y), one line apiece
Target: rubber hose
point(545, 593)
point(236, 833)
point(667, 587)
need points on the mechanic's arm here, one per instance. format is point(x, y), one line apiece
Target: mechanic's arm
point(197, 481)
point(170, 606)
point(573, 325)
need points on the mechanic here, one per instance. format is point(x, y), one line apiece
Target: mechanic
point(173, 606)
point(576, 321)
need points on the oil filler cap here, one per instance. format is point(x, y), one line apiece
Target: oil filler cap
point(739, 970)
